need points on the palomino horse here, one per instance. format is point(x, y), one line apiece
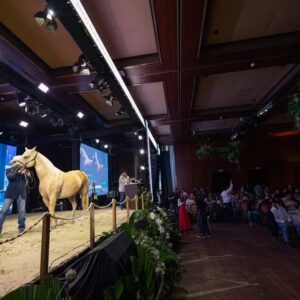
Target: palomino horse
point(54, 183)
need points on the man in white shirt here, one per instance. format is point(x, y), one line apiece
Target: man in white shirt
point(282, 219)
point(227, 198)
point(123, 179)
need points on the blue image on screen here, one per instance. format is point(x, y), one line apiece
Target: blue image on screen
point(95, 164)
point(6, 154)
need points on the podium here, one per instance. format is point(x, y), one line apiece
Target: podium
point(130, 191)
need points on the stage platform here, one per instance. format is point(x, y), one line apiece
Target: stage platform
point(20, 259)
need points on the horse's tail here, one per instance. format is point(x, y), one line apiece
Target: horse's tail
point(84, 190)
point(85, 182)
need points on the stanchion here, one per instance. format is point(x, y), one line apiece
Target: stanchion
point(127, 208)
point(45, 248)
point(92, 226)
point(136, 201)
point(143, 201)
point(114, 213)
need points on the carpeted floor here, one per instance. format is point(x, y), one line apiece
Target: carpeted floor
point(238, 262)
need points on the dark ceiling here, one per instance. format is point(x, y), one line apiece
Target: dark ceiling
point(193, 67)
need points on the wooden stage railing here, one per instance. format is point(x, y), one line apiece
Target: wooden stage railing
point(44, 262)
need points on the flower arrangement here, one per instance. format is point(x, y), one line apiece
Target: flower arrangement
point(156, 266)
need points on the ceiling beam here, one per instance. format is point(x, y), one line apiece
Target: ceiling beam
point(192, 15)
point(99, 133)
point(237, 56)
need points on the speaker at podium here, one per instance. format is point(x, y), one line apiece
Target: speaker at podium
point(130, 191)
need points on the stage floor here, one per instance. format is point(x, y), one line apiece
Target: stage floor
point(20, 259)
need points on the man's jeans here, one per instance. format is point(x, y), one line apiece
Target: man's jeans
point(202, 223)
point(284, 228)
point(121, 199)
point(21, 210)
point(228, 212)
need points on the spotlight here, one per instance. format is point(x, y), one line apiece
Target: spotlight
point(43, 115)
point(72, 130)
point(47, 16)
point(99, 83)
point(265, 109)
point(135, 133)
point(32, 108)
point(23, 124)
point(142, 151)
point(81, 66)
point(1, 132)
point(56, 121)
point(51, 26)
point(80, 115)
point(234, 136)
point(105, 146)
point(120, 112)
point(40, 18)
point(97, 141)
point(21, 99)
point(142, 168)
point(43, 87)
point(109, 100)
point(140, 137)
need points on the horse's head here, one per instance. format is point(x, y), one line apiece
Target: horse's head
point(24, 161)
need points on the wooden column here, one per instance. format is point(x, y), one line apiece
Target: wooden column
point(92, 226)
point(45, 248)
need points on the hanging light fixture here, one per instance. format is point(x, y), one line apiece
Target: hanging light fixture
point(99, 83)
point(47, 18)
point(81, 67)
point(109, 100)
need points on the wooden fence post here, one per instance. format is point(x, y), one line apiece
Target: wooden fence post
point(143, 201)
point(114, 212)
point(92, 226)
point(127, 208)
point(136, 201)
point(45, 248)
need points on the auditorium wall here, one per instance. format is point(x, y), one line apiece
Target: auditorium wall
point(277, 157)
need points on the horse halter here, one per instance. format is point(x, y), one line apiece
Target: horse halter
point(33, 159)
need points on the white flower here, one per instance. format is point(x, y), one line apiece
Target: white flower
point(158, 221)
point(152, 215)
point(161, 229)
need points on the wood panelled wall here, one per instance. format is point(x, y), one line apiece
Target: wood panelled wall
point(278, 156)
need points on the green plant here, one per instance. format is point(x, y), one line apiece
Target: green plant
point(230, 152)
point(294, 108)
point(205, 151)
point(49, 290)
point(156, 266)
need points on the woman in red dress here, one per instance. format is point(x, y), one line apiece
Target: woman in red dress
point(184, 219)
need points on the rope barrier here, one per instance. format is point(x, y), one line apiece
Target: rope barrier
point(25, 231)
point(120, 203)
point(73, 219)
point(97, 206)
